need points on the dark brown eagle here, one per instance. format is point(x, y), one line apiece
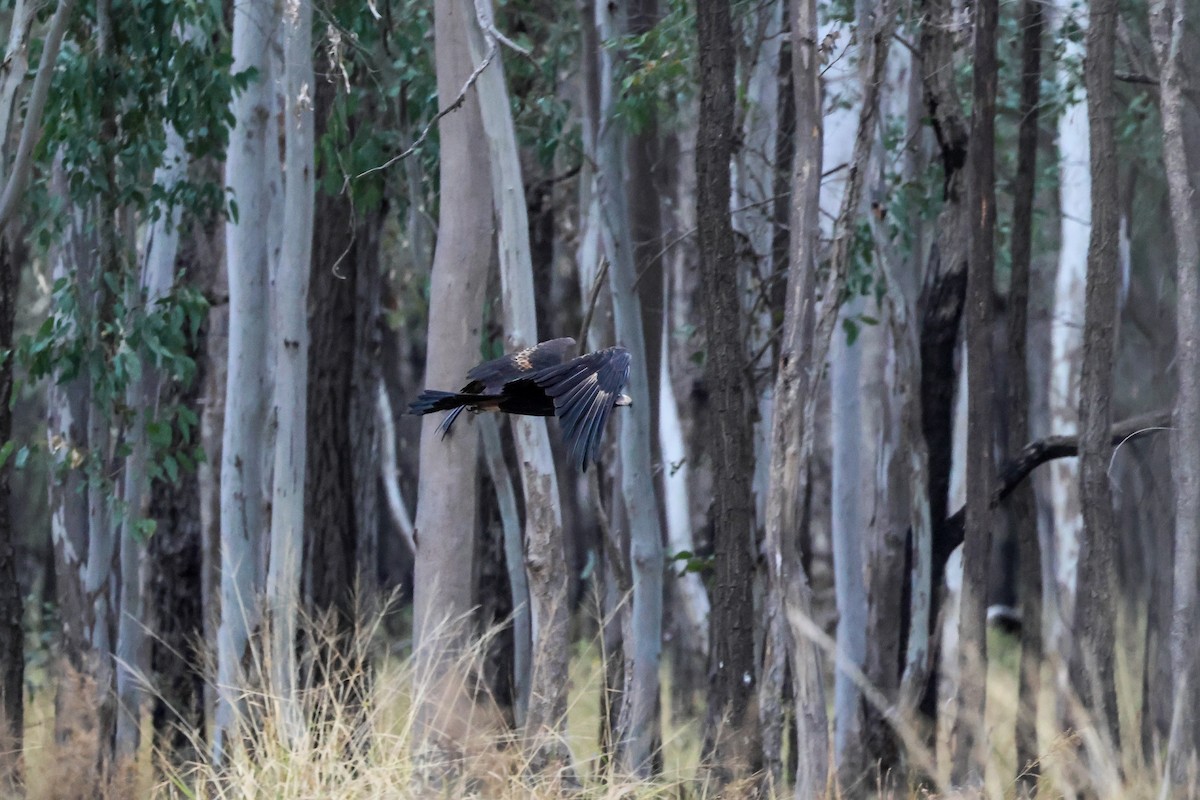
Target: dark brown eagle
point(538, 381)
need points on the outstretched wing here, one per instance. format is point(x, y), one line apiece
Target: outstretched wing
point(490, 376)
point(585, 389)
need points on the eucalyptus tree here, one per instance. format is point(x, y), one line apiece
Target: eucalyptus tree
point(120, 331)
point(638, 727)
point(792, 424)
point(20, 165)
point(731, 739)
point(446, 499)
point(291, 344)
point(1092, 658)
point(544, 550)
point(1022, 502)
point(252, 173)
point(1173, 39)
point(969, 731)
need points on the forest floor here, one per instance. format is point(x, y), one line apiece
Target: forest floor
point(341, 765)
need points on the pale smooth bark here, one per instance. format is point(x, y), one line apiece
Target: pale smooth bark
point(689, 588)
point(158, 274)
point(443, 580)
point(291, 345)
point(847, 533)
point(389, 471)
point(1169, 23)
point(543, 510)
point(250, 159)
point(31, 127)
point(638, 726)
point(1066, 336)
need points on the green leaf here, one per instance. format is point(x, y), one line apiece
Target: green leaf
point(851, 329)
point(6, 452)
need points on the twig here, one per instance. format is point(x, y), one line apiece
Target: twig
point(387, 470)
point(587, 319)
point(458, 101)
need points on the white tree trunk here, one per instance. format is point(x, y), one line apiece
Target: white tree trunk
point(250, 160)
point(158, 274)
point(851, 490)
point(443, 575)
point(638, 726)
point(1075, 187)
point(543, 511)
point(693, 598)
point(291, 364)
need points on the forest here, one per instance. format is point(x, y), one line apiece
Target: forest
point(899, 495)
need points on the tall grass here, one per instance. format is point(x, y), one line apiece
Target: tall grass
point(362, 734)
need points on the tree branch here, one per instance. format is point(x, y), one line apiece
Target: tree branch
point(18, 178)
point(1016, 469)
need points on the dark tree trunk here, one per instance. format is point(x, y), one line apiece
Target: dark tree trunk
point(968, 733)
point(174, 602)
point(1021, 504)
point(732, 736)
point(1092, 667)
point(12, 642)
point(942, 297)
point(174, 593)
point(340, 530)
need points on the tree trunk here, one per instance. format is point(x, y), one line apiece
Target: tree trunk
point(1169, 27)
point(291, 345)
point(543, 512)
point(157, 277)
point(793, 420)
point(250, 161)
point(968, 735)
point(638, 732)
point(446, 497)
point(732, 742)
point(1074, 181)
point(942, 295)
point(1021, 504)
point(1093, 665)
point(12, 634)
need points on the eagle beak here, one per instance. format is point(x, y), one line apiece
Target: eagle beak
point(624, 400)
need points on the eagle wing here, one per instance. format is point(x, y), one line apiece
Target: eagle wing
point(492, 375)
point(585, 389)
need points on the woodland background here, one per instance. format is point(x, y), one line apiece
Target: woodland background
point(908, 499)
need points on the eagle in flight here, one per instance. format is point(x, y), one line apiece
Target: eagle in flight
point(541, 381)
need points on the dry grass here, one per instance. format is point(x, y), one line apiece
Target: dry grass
point(366, 750)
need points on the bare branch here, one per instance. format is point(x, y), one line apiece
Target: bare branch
point(14, 187)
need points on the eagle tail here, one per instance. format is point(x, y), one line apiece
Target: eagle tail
point(432, 400)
